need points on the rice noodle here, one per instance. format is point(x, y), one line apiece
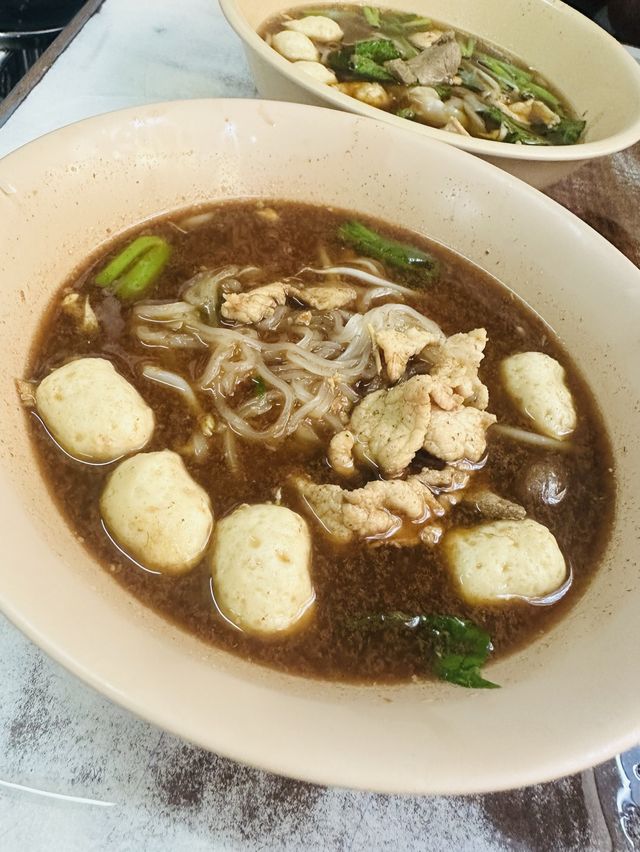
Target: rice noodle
point(339, 320)
point(258, 405)
point(174, 381)
point(360, 275)
point(379, 316)
point(375, 293)
point(171, 312)
point(306, 433)
point(325, 261)
point(334, 421)
point(303, 381)
point(372, 266)
point(542, 441)
point(231, 451)
point(316, 408)
point(349, 392)
point(488, 79)
point(166, 339)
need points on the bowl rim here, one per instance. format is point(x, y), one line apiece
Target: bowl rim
point(552, 153)
point(563, 763)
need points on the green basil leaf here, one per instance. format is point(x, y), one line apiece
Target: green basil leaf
point(454, 648)
point(567, 132)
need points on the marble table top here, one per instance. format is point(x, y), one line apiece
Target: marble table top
point(76, 771)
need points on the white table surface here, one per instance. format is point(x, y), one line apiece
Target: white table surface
point(79, 773)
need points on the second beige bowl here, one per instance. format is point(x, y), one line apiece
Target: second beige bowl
point(587, 65)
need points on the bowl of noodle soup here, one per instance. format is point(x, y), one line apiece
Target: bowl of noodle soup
point(80, 195)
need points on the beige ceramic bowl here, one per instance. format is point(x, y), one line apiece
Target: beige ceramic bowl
point(569, 700)
point(595, 73)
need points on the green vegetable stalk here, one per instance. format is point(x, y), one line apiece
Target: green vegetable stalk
point(454, 648)
point(513, 78)
point(132, 272)
point(396, 254)
point(468, 47)
point(396, 22)
point(334, 14)
point(398, 26)
point(365, 59)
point(371, 15)
point(504, 71)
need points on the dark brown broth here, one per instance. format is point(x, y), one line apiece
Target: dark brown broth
point(349, 580)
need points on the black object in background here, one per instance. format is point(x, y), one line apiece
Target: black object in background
point(30, 15)
point(27, 28)
point(587, 7)
point(624, 16)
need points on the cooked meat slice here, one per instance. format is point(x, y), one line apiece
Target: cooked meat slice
point(458, 434)
point(340, 453)
point(535, 112)
point(380, 507)
point(446, 36)
point(390, 425)
point(438, 63)
point(326, 503)
point(400, 340)
point(374, 511)
point(455, 365)
point(495, 508)
point(446, 480)
point(325, 298)
point(443, 396)
point(254, 305)
point(401, 71)
point(425, 39)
